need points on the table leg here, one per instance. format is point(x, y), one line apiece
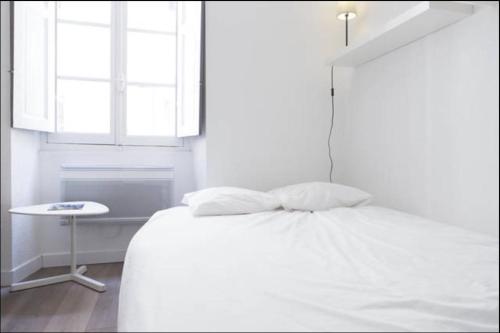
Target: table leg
point(88, 282)
point(81, 270)
point(72, 222)
point(76, 274)
point(41, 282)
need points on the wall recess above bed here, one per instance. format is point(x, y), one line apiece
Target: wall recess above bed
point(417, 22)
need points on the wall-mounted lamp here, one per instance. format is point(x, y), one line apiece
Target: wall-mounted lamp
point(346, 10)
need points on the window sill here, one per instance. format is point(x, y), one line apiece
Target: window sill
point(71, 141)
point(60, 146)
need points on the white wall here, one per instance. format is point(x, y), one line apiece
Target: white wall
point(199, 149)
point(25, 187)
point(421, 130)
point(268, 102)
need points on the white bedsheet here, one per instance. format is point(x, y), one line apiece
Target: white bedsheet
point(364, 269)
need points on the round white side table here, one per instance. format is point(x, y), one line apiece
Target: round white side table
point(76, 274)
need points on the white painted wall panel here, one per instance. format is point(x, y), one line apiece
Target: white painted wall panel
point(421, 130)
point(268, 102)
point(24, 192)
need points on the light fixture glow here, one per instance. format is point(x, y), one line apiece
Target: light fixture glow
point(346, 10)
point(350, 16)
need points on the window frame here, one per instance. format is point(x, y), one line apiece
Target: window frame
point(118, 91)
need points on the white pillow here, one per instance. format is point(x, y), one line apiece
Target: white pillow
point(229, 201)
point(319, 196)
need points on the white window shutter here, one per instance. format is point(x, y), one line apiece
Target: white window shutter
point(188, 67)
point(34, 65)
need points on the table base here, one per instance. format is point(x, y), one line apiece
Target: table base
point(77, 276)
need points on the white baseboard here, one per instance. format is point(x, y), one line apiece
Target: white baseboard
point(58, 259)
point(83, 257)
point(21, 271)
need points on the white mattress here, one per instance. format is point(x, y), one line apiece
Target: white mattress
point(364, 269)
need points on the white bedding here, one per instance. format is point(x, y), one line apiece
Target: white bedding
point(362, 269)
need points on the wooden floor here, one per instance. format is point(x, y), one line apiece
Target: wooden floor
point(64, 307)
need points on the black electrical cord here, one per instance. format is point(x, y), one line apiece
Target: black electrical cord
point(332, 93)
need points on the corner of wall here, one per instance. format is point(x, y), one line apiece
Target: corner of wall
point(5, 174)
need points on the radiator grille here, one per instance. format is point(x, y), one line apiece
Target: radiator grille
point(132, 194)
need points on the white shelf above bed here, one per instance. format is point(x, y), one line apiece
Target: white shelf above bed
point(417, 22)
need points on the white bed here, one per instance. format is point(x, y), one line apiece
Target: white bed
point(362, 269)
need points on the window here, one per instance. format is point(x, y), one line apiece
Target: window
point(84, 89)
point(151, 69)
point(117, 75)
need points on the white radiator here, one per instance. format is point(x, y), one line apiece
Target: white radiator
point(132, 193)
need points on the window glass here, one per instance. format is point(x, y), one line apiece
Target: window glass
point(151, 58)
point(152, 15)
point(83, 106)
point(85, 11)
point(150, 111)
point(83, 51)
point(116, 66)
